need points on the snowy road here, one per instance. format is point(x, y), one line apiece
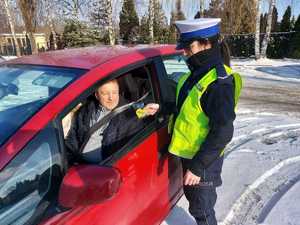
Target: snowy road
point(261, 170)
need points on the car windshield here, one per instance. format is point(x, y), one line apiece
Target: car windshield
point(25, 89)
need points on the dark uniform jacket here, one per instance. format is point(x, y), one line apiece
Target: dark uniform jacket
point(120, 129)
point(218, 104)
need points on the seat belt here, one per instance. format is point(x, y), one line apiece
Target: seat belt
point(108, 117)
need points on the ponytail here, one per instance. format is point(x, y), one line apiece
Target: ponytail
point(225, 52)
point(218, 41)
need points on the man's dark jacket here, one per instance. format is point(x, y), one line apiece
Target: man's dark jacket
point(120, 129)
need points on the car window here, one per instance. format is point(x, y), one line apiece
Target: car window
point(95, 132)
point(27, 184)
point(175, 67)
point(25, 89)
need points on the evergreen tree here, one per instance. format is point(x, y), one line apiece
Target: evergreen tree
point(160, 27)
point(144, 29)
point(101, 17)
point(293, 21)
point(263, 22)
point(285, 26)
point(295, 40)
point(297, 25)
point(78, 34)
point(274, 44)
point(275, 25)
point(129, 22)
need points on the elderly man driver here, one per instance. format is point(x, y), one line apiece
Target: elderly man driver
point(110, 136)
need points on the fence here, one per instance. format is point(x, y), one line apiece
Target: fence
point(243, 45)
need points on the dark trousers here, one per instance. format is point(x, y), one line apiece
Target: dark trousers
point(202, 198)
point(201, 203)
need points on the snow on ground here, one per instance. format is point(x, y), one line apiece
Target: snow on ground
point(260, 172)
point(272, 69)
point(9, 57)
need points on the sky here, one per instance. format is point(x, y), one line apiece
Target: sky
point(190, 7)
point(282, 5)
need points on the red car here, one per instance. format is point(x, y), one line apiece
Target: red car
point(137, 185)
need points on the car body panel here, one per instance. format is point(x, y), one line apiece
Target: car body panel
point(151, 178)
point(129, 205)
point(90, 57)
point(48, 112)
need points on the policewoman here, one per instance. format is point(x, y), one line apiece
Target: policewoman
point(205, 110)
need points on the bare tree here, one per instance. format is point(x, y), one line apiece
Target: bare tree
point(110, 23)
point(268, 29)
point(151, 20)
point(238, 16)
point(51, 11)
point(102, 17)
point(179, 12)
point(257, 29)
point(4, 25)
point(202, 8)
point(28, 10)
point(12, 26)
point(73, 8)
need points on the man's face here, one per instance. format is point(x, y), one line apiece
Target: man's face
point(108, 94)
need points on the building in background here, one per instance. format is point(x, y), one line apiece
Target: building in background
point(7, 46)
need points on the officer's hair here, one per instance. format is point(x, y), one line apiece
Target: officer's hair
point(215, 41)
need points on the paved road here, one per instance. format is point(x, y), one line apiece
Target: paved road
point(271, 95)
point(260, 172)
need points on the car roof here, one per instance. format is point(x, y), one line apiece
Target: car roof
point(90, 57)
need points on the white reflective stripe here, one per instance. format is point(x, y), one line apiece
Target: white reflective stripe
point(223, 78)
point(186, 26)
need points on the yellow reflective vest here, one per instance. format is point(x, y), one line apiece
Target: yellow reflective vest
point(192, 125)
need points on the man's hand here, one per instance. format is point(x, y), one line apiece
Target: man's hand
point(150, 109)
point(190, 178)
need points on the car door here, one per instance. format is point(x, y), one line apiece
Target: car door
point(29, 183)
point(144, 195)
point(169, 69)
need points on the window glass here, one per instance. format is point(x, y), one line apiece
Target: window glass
point(96, 132)
point(25, 89)
point(26, 182)
point(175, 67)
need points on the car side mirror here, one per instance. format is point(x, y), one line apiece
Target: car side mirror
point(88, 184)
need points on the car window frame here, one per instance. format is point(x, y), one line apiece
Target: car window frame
point(162, 77)
point(138, 138)
point(50, 129)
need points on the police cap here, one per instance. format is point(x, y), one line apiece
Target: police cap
point(191, 30)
